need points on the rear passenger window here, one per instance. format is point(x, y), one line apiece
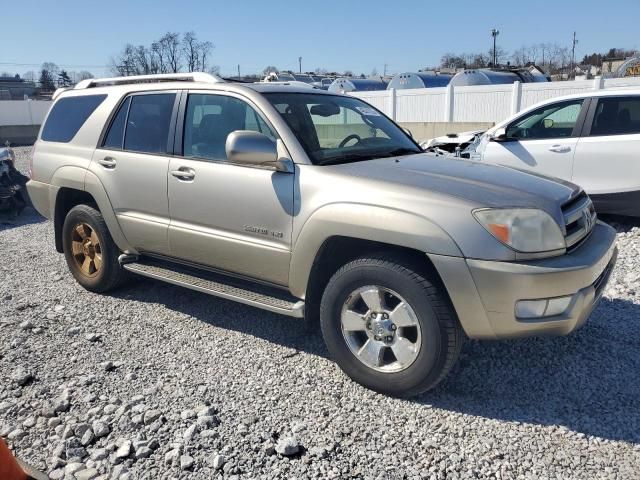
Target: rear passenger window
point(148, 122)
point(616, 116)
point(115, 136)
point(68, 115)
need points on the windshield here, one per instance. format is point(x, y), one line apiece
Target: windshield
point(337, 129)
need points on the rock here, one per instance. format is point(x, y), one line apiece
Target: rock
point(93, 337)
point(62, 402)
point(100, 429)
point(58, 308)
point(29, 422)
point(109, 409)
point(143, 452)
point(87, 438)
point(21, 376)
point(206, 412)
point(206, 422)
point(187, 414)
point(53, 422)
point(124, 450)
point(73, 331)
point(189, 432)
point(17, 434)
point(26, 325)
point(68, 432)
point(287, 446)
point(172, 456)
point(186, 462)
point(108, 366)
point(219, 461)
point(73, 467)
point(130, 376)
point(151, 416)
point(87, 474)
point(99, 454)
point(75, 449)
point(57, 474)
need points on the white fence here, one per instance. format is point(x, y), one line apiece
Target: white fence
point(485, 103)
point(23, 112)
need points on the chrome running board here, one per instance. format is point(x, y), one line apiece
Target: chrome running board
point(218, 285)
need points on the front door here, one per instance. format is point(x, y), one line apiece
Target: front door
point(543, 140)
point(231, 217)
point(132, 164)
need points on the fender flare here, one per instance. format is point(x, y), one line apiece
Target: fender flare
point(80, 179)
point(367, 222)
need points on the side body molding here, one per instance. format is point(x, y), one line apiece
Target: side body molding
point(367, 222)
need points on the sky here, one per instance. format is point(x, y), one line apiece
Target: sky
point(337, 35)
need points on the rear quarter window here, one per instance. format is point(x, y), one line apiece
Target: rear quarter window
point(68, 115)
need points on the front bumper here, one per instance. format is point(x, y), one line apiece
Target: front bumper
point(484, 293)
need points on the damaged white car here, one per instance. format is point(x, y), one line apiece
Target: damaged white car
point(591, 139)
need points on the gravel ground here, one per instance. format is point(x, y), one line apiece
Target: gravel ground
point(155, 381)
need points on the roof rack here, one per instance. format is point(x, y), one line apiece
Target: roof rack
point(163, 77)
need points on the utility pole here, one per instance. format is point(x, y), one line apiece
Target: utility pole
point(384, 75)
point(573, 55)
point(494, 34)
point(299, 64)
point(238, 71)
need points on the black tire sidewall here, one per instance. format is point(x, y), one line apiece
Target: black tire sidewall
point(432, 356)
point(85, 214)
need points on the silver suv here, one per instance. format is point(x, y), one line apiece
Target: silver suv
point(315, 205)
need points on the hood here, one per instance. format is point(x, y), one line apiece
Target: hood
point(482, 184)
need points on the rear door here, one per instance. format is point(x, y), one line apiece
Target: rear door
point(607, 160)
point(543, 140)
point(132, 162)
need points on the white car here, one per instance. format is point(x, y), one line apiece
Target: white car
point(592, 139)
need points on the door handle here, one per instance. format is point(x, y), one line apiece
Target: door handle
point(184, 173)
point(108, 162)
point(560, 148)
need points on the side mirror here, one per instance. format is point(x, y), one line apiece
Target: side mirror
point(500, 135)
point(548, 123)
point(251, 148)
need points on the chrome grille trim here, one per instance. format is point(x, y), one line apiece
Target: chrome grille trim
point(580, 217)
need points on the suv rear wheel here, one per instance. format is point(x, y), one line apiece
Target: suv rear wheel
point(389, 327)
point(91, 254)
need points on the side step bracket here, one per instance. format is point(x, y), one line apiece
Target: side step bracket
point(221, 286)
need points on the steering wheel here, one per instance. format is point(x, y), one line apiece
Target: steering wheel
point(353, 136)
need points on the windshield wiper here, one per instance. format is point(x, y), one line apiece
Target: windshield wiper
point(350, 157)
point(399, 152)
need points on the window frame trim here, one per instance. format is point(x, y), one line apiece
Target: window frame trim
point(577, 128)
point(586, 132)
point(178, 144)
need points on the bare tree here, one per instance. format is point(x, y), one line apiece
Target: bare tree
point(191, 51)
point(204, 52)
point(170, 49)
point(83, 75)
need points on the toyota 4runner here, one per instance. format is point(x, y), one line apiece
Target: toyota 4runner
point(312, 204)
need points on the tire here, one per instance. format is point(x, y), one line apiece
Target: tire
point(427, 337)
point(86, 238)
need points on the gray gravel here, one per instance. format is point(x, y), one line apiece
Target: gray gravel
point(155, 381)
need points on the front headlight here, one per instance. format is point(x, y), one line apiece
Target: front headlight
point(524, 229)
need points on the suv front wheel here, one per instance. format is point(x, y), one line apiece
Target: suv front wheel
point(389, 327)
point(91, 254)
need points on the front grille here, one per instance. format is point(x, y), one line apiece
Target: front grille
point(579, 219)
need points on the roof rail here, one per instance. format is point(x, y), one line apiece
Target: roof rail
point(162, 77)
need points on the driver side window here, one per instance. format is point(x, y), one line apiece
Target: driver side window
point(551, 121)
